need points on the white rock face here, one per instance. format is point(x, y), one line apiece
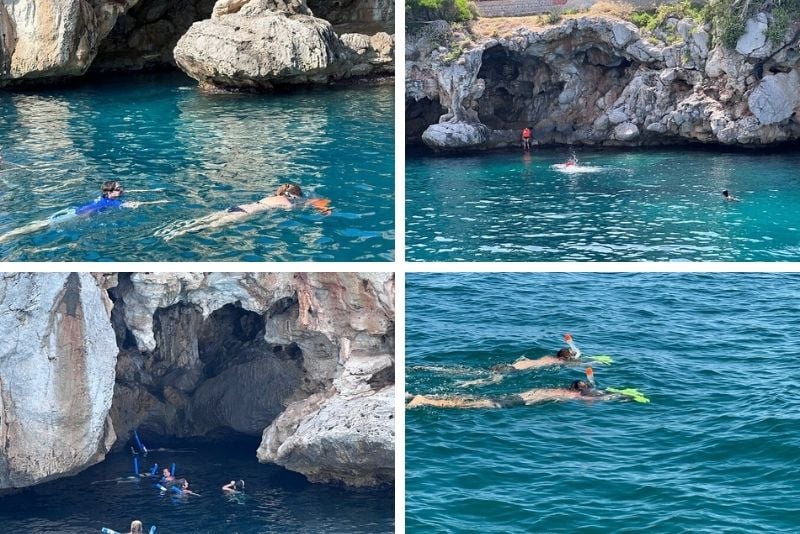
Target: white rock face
point(345, 434)
point(776, 97)
point(454, 135)
point(754, 40)
point(57, 364)
point(599, 81)
point(253, 45)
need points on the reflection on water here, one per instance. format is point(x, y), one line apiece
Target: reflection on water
point(202, 154)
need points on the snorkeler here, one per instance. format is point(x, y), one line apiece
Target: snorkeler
point(564, 356)
point(727, 196)
point(234, 486)
point(579, 389)
point(287, 196)
point(111, 192)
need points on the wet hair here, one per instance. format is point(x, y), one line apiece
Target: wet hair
point(580, 385)
point(109, 186)
point(289, 189)
point(239, 486)
point(564, 354)
point(725, 193)
point(136, 527)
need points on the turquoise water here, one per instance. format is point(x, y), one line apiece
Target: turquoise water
point(716, 450)
point(275, 500)
point(653, 205)
point(203, 153)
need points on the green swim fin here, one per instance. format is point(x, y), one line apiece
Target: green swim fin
point(631, 393)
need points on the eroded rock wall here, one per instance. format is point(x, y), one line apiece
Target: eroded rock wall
point(197, 354)
point(57, 359)
point(599, 81)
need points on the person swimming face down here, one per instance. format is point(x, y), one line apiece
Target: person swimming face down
point(582, 386)
point(290, 191)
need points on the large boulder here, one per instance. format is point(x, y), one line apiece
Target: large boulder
point(776, 97)
point(57, 364)
point(258, 45)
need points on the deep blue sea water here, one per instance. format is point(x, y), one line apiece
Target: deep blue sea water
point(203, 153)
point(640, 204)
point(275, 499)
point(716, 450)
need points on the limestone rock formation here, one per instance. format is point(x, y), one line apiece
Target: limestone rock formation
point(599, 81)
point(57, 364)
point(260, 44)
point(194, 354)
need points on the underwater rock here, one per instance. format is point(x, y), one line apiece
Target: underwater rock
point(56, 376)
point(254, 46)
point(598, 81)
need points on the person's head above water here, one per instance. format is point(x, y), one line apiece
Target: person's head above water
point(137, 527)
point(581, 385)
point(166, 473)
point(239, 485)
point(289, 190)
point(111, 189)
point(725, 193)
point(564, 354)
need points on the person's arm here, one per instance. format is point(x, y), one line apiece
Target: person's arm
point(322, 205)
point(229, 486)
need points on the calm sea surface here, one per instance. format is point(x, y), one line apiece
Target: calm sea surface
point(202, 153)
point(716, 450)
point(275, 500)
point(622, 206)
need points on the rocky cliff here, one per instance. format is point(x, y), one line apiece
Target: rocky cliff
point(601, 81)
point(244, 43)
point(304, 359)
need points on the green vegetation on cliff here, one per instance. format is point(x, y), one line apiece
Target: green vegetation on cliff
point(450, 10)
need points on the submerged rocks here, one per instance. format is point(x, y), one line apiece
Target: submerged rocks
point(56, 376)
point(600, 81)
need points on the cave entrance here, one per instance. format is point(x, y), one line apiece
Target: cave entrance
point(419, 115)
point(210, 377)
point(145, 36)
point(519, 89)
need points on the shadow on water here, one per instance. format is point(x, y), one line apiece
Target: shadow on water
point(275, 500)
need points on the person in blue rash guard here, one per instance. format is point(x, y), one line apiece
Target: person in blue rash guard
point(110, 199)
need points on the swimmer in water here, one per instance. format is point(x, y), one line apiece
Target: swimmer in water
point(565, 356)
point(183, 484)
point(578, 390)
point(166, 478)
point(136, 527)
point(727, 196)
point(111, 192)
point(234, 486)
point(287, 196)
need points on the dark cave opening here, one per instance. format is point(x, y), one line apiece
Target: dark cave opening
point(419, 115)
point(208, 378)
point(145, 36)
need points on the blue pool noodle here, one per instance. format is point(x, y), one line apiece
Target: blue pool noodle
point(173, 469)
point(105, 530)
point(176, 490)
point(153, 529)
point(136, 465)
point(139, 443)
point(154, 470)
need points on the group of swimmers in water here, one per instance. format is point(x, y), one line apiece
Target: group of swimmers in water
point(577, 390)
point(287, 196)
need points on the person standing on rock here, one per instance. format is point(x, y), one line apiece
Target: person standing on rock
point(526, 138)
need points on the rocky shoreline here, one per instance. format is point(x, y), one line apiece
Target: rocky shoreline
point(306, 361)
point(600, 81)
point(227, 44)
